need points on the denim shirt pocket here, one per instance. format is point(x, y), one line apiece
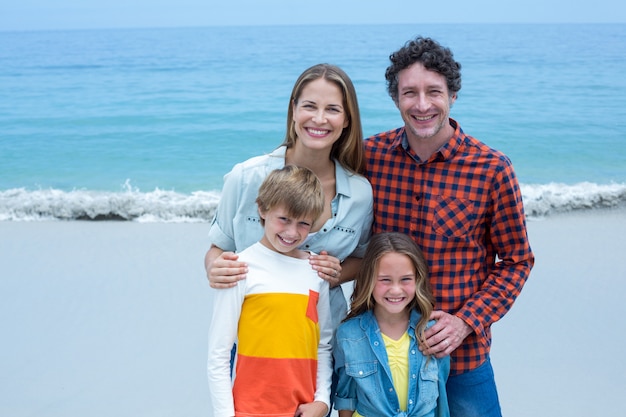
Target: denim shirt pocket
point(428, 385)
point(365, 375)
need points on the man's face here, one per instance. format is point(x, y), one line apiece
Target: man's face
point(424, 103)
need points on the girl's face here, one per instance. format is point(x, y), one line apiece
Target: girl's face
point(283, 233)
point(395, 284)
point(319, 116)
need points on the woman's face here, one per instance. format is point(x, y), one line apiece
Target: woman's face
point(319, 116)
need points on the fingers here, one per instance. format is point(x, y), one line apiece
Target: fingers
point(330, 274)
point(226, 277)
point(226, 271)
point(327, 267)
point(445, 335)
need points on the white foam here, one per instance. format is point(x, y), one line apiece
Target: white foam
point(160, 206)
point(544, 199)
point(156, 206)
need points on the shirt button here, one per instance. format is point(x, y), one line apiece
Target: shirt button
point(390, 389)
point(360, 372)
point(375, 343)
point(413, 376)
point(413, 351)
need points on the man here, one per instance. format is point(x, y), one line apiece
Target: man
point(461, 202)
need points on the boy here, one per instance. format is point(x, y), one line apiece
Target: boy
point(279, 316)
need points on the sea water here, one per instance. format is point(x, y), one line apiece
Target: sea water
point(142, 124)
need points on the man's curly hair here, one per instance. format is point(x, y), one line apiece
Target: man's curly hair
point(432, 55)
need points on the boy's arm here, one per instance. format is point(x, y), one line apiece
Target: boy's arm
point(324, 350)
point(314, 409)
point(222, 334)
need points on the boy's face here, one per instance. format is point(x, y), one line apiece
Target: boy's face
point(283, 233)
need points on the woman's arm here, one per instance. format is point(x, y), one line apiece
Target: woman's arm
point(223, 268)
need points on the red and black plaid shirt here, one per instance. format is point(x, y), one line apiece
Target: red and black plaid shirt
point(464, 209)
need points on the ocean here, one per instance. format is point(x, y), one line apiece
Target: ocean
point(142, 124)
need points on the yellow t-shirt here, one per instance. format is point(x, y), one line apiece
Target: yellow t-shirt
point(397, 352)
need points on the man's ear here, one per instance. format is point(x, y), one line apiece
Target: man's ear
point(452, 99)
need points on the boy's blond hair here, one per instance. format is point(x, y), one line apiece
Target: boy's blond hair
point(297, 189)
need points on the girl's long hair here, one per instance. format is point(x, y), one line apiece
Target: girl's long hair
point(381, 244)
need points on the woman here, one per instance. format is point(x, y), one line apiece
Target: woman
point(324, 134)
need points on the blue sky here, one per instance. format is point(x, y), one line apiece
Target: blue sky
point(92, 14)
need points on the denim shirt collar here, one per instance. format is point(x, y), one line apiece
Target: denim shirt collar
point(342, 175)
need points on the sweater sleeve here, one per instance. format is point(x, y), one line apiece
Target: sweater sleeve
point(222, 335)
point(324, 351)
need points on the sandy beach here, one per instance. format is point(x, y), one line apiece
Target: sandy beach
point(111, 318)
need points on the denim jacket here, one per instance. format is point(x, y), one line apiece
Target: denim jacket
point(365, 381)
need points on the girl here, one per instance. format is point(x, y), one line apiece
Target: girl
point(380, 368)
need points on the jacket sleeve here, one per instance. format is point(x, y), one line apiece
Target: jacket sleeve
point(443, 409)
point(345, 394)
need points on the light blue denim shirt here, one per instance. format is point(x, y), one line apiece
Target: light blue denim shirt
point(365, 381)
point(237, 224)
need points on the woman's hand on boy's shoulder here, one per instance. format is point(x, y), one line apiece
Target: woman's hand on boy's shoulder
point(328, 267)
point(225, 271)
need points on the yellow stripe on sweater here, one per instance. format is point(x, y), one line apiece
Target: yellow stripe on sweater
point(276, 325)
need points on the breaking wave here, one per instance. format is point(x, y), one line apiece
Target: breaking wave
point(19, 204)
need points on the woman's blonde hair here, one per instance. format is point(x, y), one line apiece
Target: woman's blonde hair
point(381, 244)
point(297, 189)
point(348, 149)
